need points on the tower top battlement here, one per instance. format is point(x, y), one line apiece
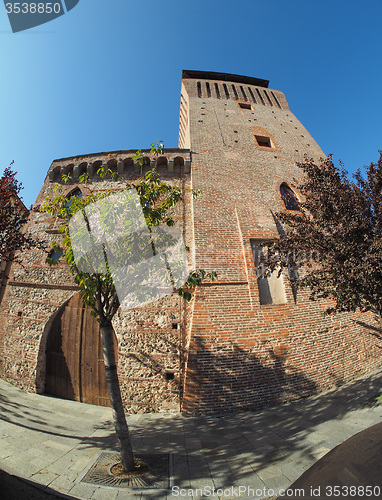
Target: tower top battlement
point(224, 77)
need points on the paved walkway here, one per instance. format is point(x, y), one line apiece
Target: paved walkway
point(52, 441)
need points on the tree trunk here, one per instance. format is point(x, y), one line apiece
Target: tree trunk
point(119, 418)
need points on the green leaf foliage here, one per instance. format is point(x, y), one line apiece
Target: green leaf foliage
point(157, 198)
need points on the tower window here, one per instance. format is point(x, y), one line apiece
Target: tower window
point(261, 97)
point(243, 92)
point(288, 196)
point(245, 105)
point(75, 193)
point(253, 97)
point(275, 98)
point(169, 374)
point(54, 256)
point(264, 142)
point(271, 288)
point(234, 91)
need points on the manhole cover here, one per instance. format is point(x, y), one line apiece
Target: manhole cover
point(157, 476)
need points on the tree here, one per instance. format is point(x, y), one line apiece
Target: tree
point(13, 215)
point(335, 236)
point(94, 259)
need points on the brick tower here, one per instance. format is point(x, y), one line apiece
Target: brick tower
point(241, 343)
point(253, 342)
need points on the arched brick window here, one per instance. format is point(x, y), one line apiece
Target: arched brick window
point(288, 196)
point(75, 193)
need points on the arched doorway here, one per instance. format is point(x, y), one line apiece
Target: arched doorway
point(74, 360)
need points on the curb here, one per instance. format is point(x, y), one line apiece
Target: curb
point(38, 486)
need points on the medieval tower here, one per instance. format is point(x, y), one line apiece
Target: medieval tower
point(241, 343)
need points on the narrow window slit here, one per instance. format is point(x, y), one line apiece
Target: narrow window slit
point(269, 99)
point(275, 98)
point(261, 97)
point(253, 97)
point(226, 91)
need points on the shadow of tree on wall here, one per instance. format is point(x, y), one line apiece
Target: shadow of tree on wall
point(226, 378)
point(58, 380)
point(373, 330)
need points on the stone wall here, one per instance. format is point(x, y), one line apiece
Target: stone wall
point(149, 338)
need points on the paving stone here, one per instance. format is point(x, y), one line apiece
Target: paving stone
point(56, 445)
point(125, 495)
point(290, 470)
point(44, 477)
point(60, 466)
point(6, 449)
point(62, 483)
point(105, 494)
point(82, 490)
point(80, 464)
point(272, 477)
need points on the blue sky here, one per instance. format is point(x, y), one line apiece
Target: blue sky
point(106, 75)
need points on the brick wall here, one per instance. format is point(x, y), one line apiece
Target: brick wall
point(242, 354)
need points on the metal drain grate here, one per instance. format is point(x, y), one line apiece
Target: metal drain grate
point(157, 476)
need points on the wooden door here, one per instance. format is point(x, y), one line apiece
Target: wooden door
point(74, 360)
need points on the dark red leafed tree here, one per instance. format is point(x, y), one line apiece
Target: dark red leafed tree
point(334, 239)
point(12, 217)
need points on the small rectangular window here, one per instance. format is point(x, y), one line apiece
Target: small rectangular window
point(169, 374)
point(263, 141)
point(271, 289)
point(245, 105)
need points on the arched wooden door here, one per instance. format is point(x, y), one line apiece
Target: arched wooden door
point(74, 360)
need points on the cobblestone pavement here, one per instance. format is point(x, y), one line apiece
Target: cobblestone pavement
point(51, 442)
